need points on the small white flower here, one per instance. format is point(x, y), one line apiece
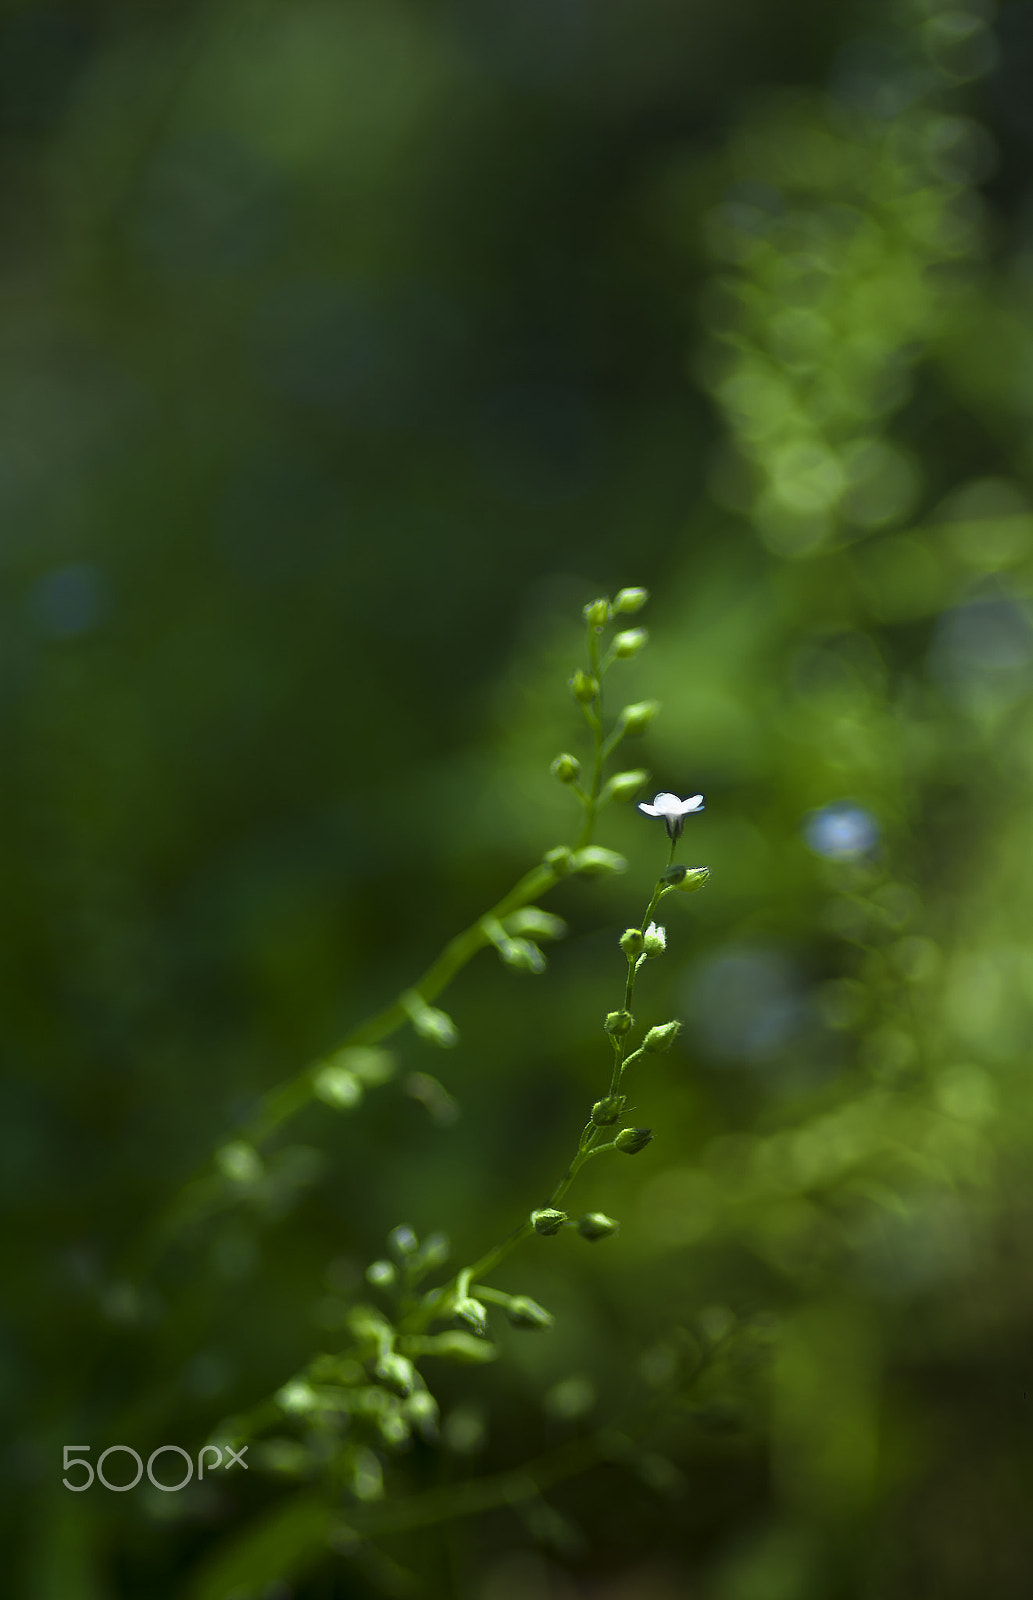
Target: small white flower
point(673, 810)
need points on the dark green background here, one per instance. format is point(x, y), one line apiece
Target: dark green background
point(348, 349)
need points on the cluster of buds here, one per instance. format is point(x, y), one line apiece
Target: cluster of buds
point(509, 935)
point(626, 602)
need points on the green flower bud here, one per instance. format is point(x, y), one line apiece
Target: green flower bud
point(422, 1410)
point(661, 1038)
point(597, 613)
point(394, 1429)
point(605, 1112)
point(381, 1274)
point(655, 940)
point(396, 1373)
point(430, 1023)
point(594, 860)
point(432, 1095)
point(632, 1140)
point(630, 600)
point(624, 785)
point(686, 879)
point(634, 719)
point(632, 941)
point(239, 1162)
point(401, 1241)
point(560, 859)
point(521, 954)
point(473, 1314)
point(548, 1221)
point(525, 1313)
point(297, 1397)
point(532, 919)
point(370, 1066)
point(595, 1225)
point(337, 1087)
point(583, 688)
point(619, 1022)
point(433, 1252)
point(629, 643)
point(566, 768)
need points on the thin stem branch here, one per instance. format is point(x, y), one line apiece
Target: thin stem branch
point(438, 1302)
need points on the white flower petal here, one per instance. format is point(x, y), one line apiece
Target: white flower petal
point(671, 808)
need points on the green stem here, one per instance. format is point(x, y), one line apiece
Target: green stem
point(621, 1062)
point(585, 1154)
point(594, 717)
point(438, 1301)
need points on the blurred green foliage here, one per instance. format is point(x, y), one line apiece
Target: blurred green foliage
point(349, 349)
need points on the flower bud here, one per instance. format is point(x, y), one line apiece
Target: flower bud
point(297, 1397)
point(521, 954)
point(433, 1252)
point(560, 859)
point(525, 1313)
point(239, 1162)
point(401, 1241)
point(532, 919)
point(422, 1410)
point(438, 1027)
point(624, 785)
point(634, 719)
point(583, 688)
point(371, 1066)
point(594, 860)
point(396, 1373)
point(690, 879)
point(630, 600)
point(655, 940)
point(661, 1038)
point(430, 1023)
point(566, 768)
point(473, 1314)
point(597, 613)
point(605, 1112)
point(632, 942)
point(632, 1140)
point(394, 1429)
point(381, 1274)
point(337, 1087)
point(619, 1022)
point(548, 1221)
point(595, 1225)
point(629, 643)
